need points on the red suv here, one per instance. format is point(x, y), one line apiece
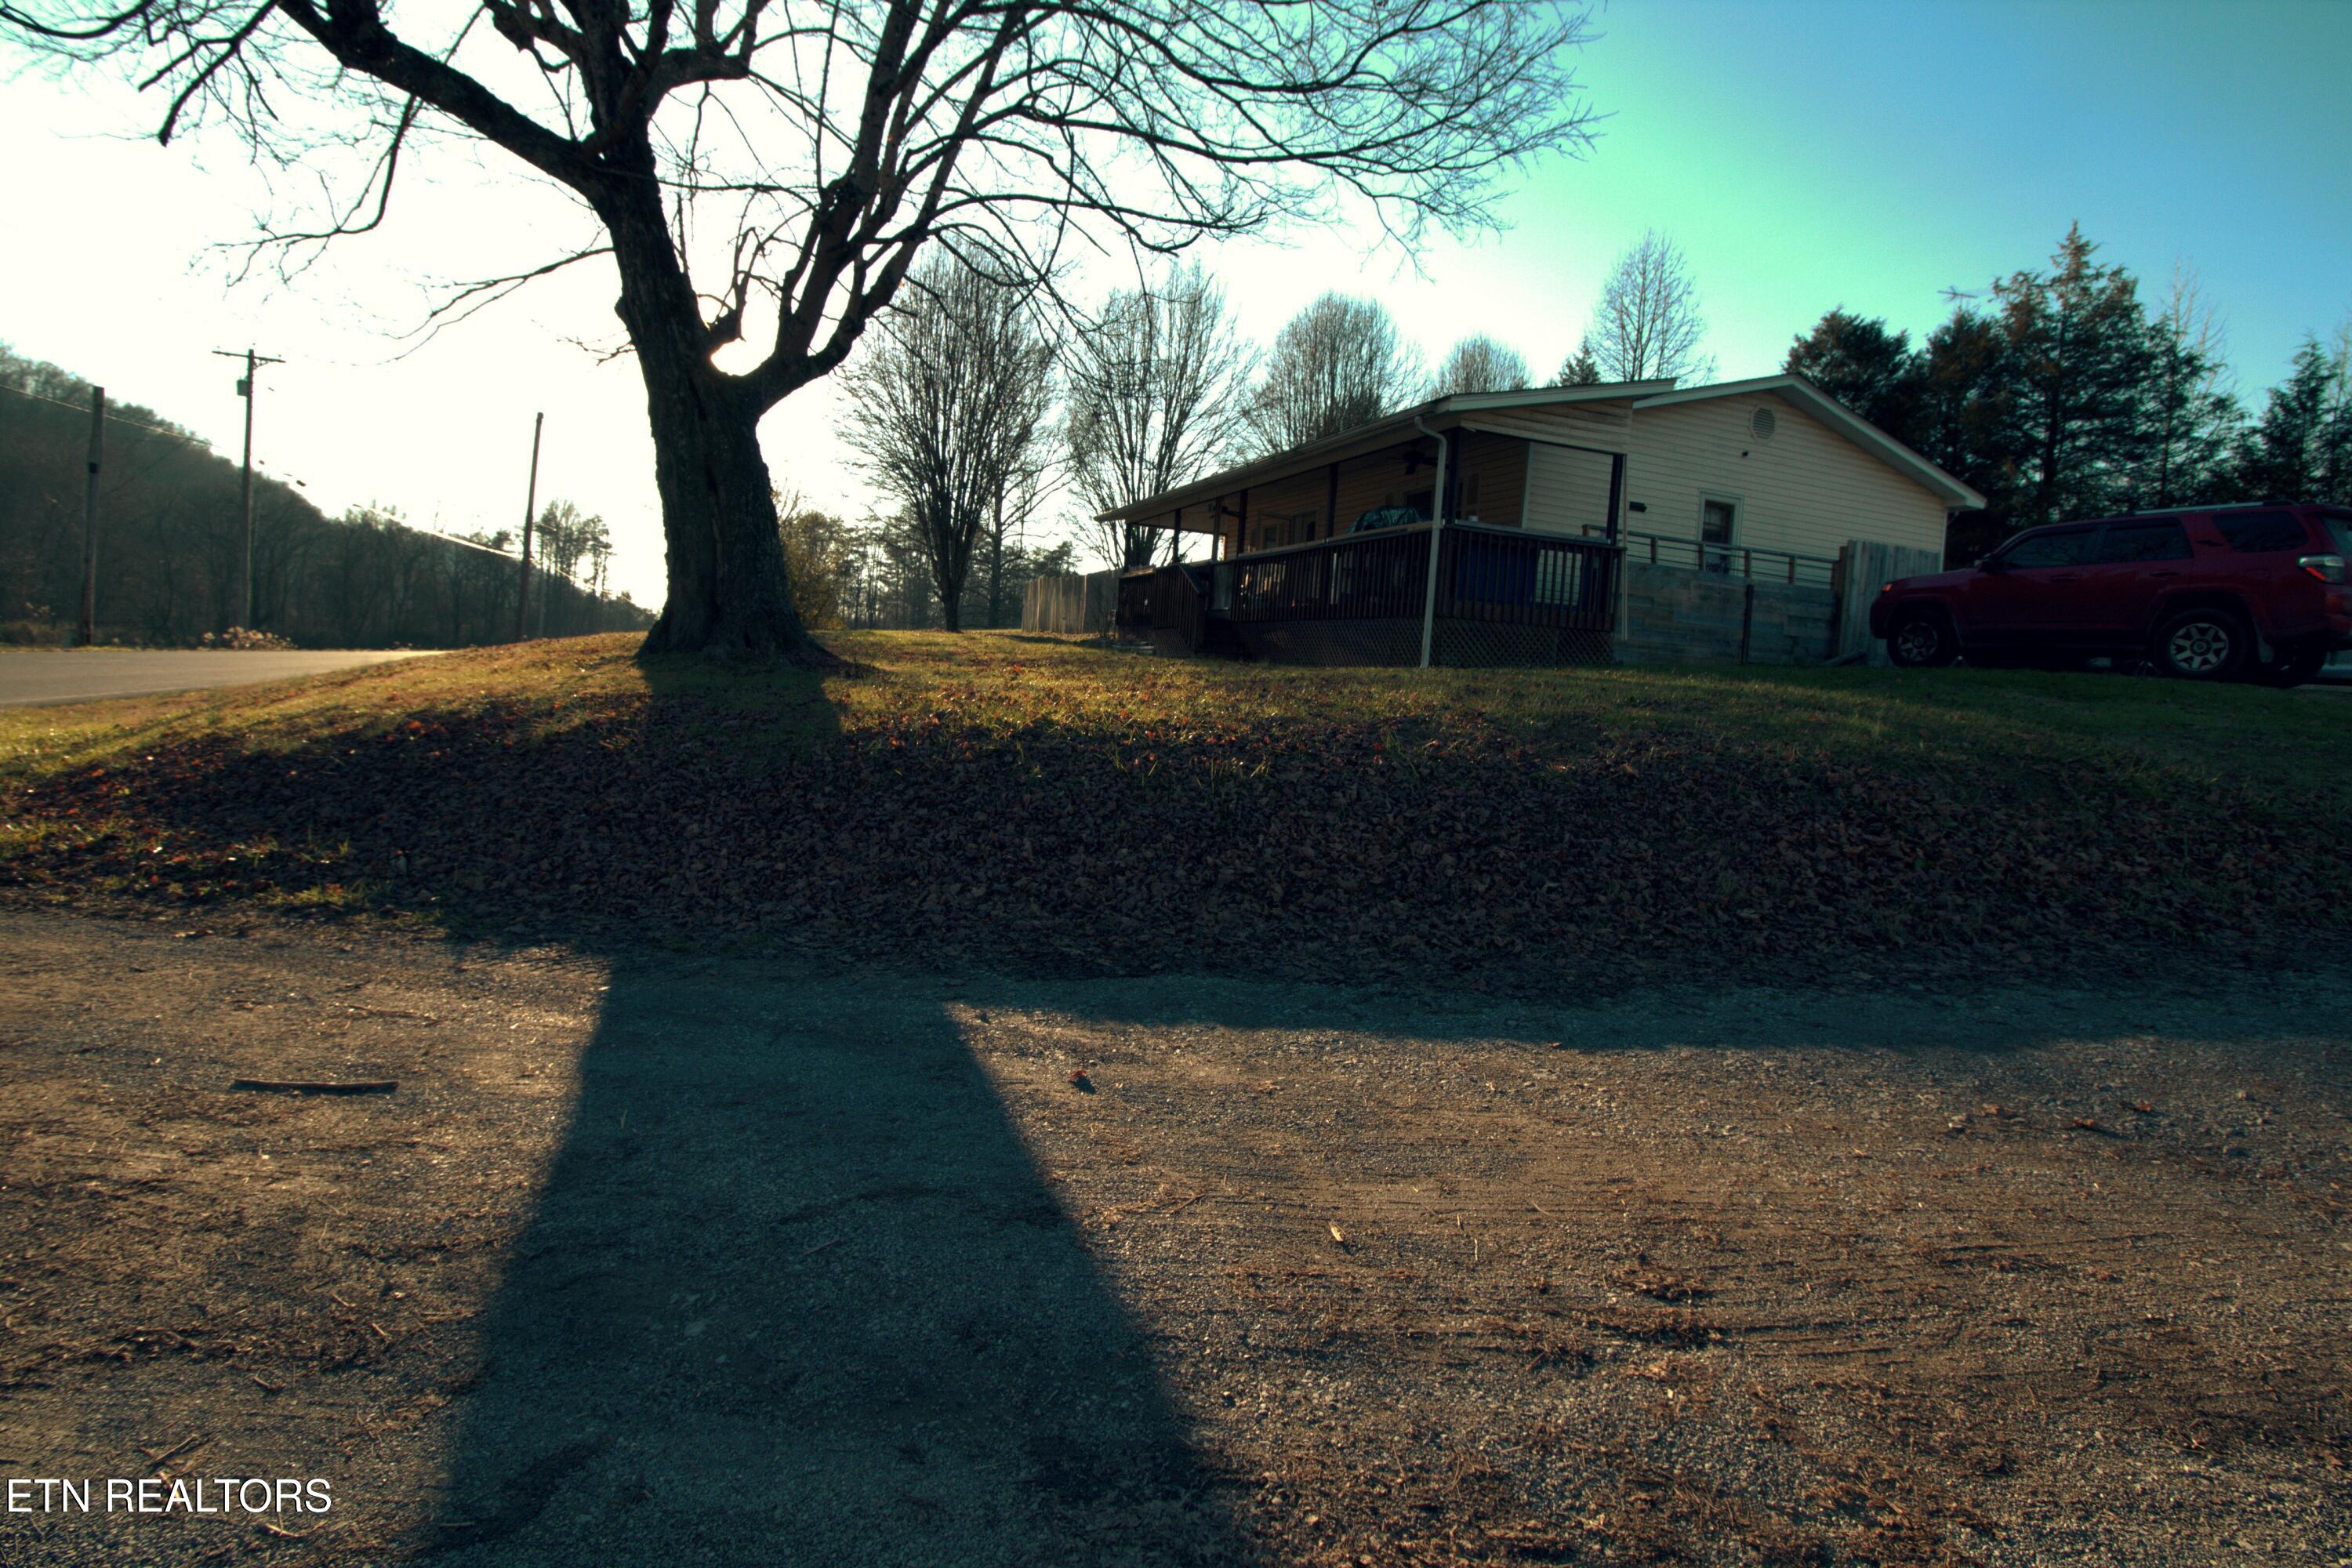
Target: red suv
point(2203, 594)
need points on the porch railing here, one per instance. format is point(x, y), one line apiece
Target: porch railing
point(1164, 599)
point(1725, 560)
point(1502, 575)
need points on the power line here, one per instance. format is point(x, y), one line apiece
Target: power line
point(168, 435)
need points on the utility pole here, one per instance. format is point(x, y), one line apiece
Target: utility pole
point(245, 389)
point(90, 520)
point(530, 509)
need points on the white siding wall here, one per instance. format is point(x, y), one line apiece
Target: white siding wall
point(1568, 488)
point(1807, 490)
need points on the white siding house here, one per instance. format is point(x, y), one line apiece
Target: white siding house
point(1731, 502)
point(1773, 464)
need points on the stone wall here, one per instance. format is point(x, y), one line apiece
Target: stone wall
point(1675, 615)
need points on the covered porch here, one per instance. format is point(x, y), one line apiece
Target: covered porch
point(1475, 530)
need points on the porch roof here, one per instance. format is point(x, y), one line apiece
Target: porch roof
point(1439, 413)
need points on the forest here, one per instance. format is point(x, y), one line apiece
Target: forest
point(171, 545)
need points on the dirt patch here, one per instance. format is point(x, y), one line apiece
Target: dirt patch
point(681, 1259)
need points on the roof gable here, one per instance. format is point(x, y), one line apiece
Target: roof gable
point(1802, 393)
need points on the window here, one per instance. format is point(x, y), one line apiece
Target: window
point(1420, 502)
point(2071, 548)
point(2252, 532)
point(1717, 520)
point(2125, 542)
point(2339, 524)
point(1470, 495)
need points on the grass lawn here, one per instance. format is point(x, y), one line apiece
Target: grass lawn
point(1025, 799)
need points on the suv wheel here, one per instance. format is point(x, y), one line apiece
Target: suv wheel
point(1921, 639)
point(2201, 644)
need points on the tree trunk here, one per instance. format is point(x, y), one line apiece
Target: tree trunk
point(996, 568)
point(727, 593)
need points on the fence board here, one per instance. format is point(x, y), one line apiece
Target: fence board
point(1070, 603)
point(1863, 566)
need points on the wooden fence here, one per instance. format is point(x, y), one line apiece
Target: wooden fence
point(1070, 603)
point(1863, 566)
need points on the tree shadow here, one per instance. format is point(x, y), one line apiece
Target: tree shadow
point(794, 1290)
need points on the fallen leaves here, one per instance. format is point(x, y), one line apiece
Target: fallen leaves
point(1037, 826)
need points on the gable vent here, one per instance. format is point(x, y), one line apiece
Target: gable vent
point(1760, 424)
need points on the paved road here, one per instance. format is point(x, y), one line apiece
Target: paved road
point(50, 676)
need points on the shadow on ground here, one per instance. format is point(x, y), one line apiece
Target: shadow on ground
point(794, 1291)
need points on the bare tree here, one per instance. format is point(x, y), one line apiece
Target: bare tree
point(770, 170)
point(1647, 326)
point(1337, 364)
point(1157, 383)
point(1032, 478)
point(2188, 417)
point(1479, 364)
point(948, 409)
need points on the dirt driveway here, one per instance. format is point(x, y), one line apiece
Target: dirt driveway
point(676, 1259)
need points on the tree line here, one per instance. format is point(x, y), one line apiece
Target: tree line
point(979, 395)
point(171, 542)
point(2062, 392)
point(881, 575)
point(2058, 391)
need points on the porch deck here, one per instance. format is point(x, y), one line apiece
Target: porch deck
point(1504, 596)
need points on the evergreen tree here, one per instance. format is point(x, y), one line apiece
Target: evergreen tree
point(2336, 430)
point(2079, 352)
point(2286, 455)
point(1966, 424)
point(2189, 422)
point(1864, 365)
point(1578, 369)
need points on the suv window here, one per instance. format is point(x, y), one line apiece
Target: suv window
point(2071, 548)
point(2128, 541)
point(2253, 532)
point(2339, 524)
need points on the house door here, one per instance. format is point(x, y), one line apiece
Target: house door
point(1718, 520)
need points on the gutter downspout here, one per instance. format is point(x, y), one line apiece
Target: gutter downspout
point(1436, 528)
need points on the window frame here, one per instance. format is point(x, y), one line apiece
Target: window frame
point(2222, 521)
point(1714, 556)
point(2180, 526)
point(2090, 531)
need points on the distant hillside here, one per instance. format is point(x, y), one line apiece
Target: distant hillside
point(171, 544)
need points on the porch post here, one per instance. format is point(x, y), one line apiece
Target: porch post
point(1436, 531)
point(1616, 491)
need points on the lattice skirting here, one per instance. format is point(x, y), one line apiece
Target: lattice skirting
point(1458, 643)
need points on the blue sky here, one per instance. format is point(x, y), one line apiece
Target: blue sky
point(1804, 156)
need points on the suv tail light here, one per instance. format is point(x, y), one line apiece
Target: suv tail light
point(2326, 568)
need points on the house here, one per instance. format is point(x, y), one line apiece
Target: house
point(1576, 525)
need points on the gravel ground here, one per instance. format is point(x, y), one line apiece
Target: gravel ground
point(660, 1257)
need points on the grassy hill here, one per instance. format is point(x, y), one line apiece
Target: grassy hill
point(1029, 803)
